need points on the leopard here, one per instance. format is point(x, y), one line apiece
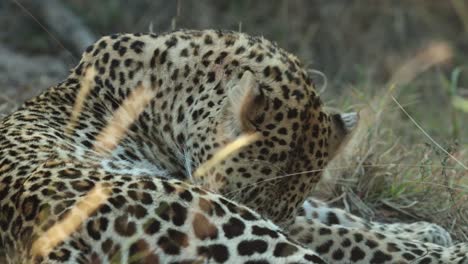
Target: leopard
point(106, 166)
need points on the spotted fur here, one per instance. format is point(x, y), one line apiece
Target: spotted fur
point(198, 92)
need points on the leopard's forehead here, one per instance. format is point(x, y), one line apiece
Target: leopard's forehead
point(203, 57)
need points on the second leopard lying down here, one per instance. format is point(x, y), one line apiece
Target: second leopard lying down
point(136, 118)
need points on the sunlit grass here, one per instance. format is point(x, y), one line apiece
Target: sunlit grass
point(71, 222)
point(222, 154)
point(85, 89)
point(395, 164)
point(127, 113)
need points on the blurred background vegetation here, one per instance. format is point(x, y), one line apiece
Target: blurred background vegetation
point(369, 51)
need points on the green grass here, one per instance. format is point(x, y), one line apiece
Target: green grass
point(395, 172)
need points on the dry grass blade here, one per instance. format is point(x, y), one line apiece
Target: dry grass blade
point(80, 99)
point(226, 151)
point(63, 229)
point(123, 118)
point(436, 53)
point(42, 26)
point(461, 8)
point(428, 136)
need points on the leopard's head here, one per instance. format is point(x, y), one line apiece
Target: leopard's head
point(293, 140)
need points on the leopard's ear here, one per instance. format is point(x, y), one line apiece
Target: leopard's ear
point(345, 122)
point(342, 126)
point(244, 103)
